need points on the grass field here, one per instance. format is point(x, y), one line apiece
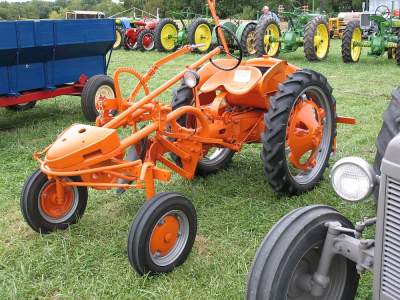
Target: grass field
point(236, 207)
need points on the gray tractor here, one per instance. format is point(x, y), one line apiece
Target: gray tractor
point(315, 252)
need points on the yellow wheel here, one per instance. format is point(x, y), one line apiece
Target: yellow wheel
point(166, 35)
point(316, 39)
point(199, 32)
point(352, 36)
point(118, 39)
point(267, 41)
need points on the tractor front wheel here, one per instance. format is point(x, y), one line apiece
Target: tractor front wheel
point(352, 34)
point(300, 131)
point(199, 32)
point(316, 39)
point(216, 159)
point(98, 86)
point(166, 35)
point(42, 209)
point(289, 255)
point(268, 34)
point(162, 234)
point(145, 40)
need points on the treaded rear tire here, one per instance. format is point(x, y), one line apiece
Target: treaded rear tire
point(192, 33)
point(183, 96)
point(260, 33)
point(243, 40)
point(157, 34)
point(88, 96)
point(276, 119)
point(309, 33)
point(390, 128)
point(346, 42)
point(283, 248)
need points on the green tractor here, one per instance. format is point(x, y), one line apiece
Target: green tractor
point(307, 30)
point(384, 40)
point(169, 36)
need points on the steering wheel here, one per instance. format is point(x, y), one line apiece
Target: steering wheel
point(383, 10)
point(238, 58)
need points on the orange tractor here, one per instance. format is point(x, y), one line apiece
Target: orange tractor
point(221, 105)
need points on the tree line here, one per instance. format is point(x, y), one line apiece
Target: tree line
point(244, 9)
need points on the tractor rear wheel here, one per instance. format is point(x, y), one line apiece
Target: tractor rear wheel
point(96, 87)
point(162, 234)
point(199, 32)
point(118, 39)
point(289, 255)
point(316, 39)
point(390, 128)
point(22, 106)
point(145, 40)
point(268, 34)
point(352, 33)
point(299, 134)
point(217, 158)
point(248, 40)
point(166, 35)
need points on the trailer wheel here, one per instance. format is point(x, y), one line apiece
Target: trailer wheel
point(217, 158)
point(166, 35)
point(268, 34)
point(352, 33)
point(390, 128)
point(248, 40)
point(145, 40)
point(96, 87)
point(41, 208)
point(316, 39)
point(118, 39)
point(162, 234)
point(289, 255)
point(199, 32)
point(22, 106)
point(301, 128)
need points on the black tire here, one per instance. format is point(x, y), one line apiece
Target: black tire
point(140, 38)
point(397, 54)
point(192, 32)
point(119, 39)
point(260, 33)
point(390, 128)
point(309, 33)
point(183, 96)
point(22, 106)
point(157, 34)
point(248, 33)
point(36, 217)
point(391, 53)
point(88, 97)
point(287, 246)
point(277, 166)
point(140, 233)
point(346, 42)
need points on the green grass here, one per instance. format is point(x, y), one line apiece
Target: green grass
point(236, 207)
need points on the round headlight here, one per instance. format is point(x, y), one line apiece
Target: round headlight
point(353, 179)
point(191, 79)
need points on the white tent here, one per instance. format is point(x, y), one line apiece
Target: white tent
point(373, 4)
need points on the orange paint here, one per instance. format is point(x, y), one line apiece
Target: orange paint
point(51, 204)
point(164, 236)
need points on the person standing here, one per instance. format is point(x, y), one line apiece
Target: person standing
point(267, 13)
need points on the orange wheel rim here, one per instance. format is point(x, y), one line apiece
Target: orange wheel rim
point(304, 133)
point(169, 237)
point(51, 206)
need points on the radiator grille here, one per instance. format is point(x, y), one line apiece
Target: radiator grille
point(391, 242)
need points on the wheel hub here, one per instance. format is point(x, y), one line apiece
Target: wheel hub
point(51, 205)
point(165, 235)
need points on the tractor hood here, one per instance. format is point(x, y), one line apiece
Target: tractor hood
point(81, 144)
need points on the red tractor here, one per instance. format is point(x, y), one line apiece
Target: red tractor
point(141, 35)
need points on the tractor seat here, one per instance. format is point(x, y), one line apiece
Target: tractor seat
point(237, 82)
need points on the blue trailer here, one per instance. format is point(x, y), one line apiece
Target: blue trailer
point(42, 59)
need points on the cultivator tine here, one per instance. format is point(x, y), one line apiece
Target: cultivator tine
point(131, 155)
